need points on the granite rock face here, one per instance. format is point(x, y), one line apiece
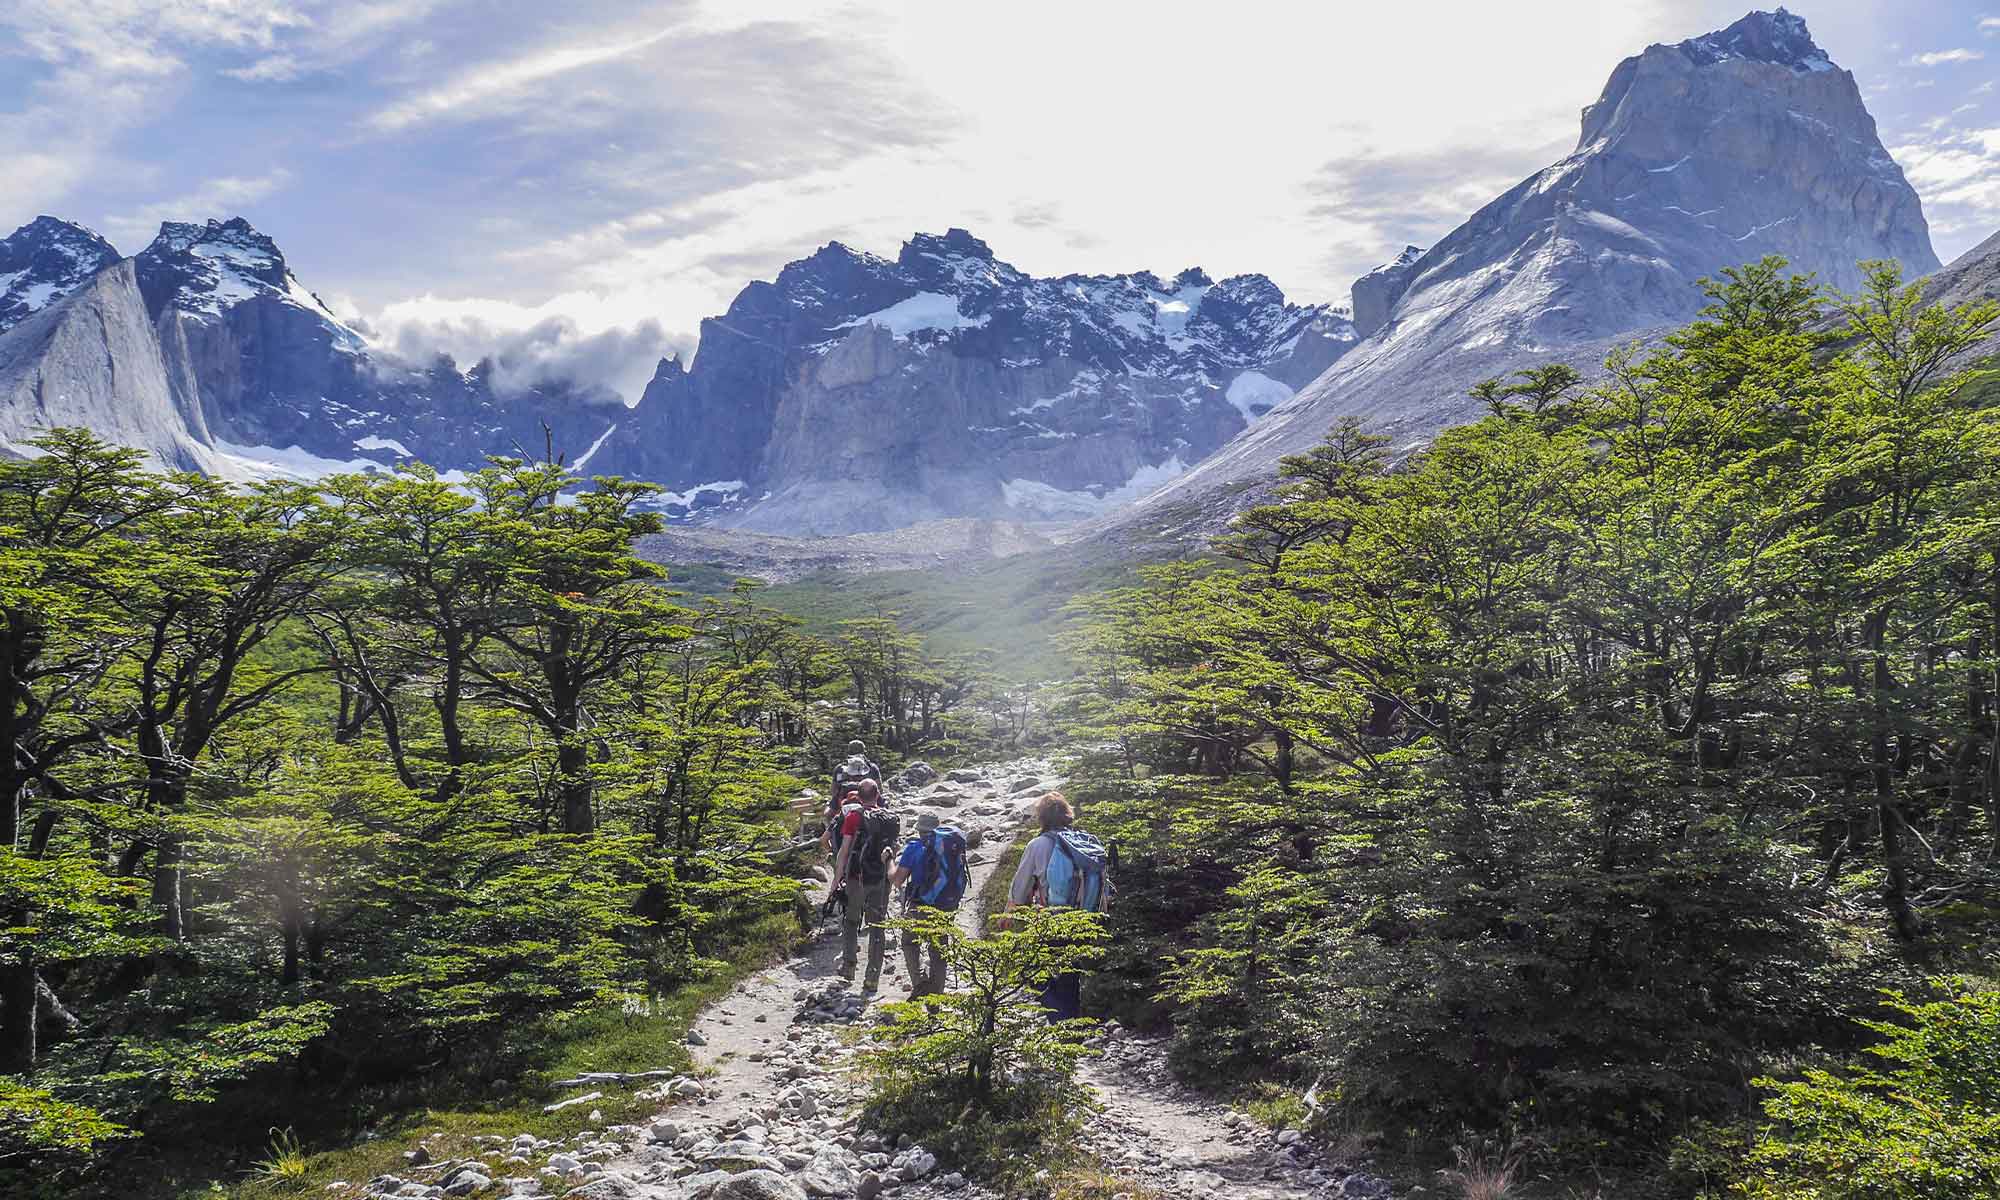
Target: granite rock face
point(92, 359)
point(256, 375)
point(856, 392)
point(1376, 293)
point(282, 380)
point(1698, 156)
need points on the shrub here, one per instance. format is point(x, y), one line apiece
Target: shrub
point(1924, 1125)
point(980, 1074)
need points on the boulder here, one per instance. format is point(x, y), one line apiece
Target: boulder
point(757, 1185)
point(916, 775)
point(1024, 783)
point(829, 1175)
point(965, 775)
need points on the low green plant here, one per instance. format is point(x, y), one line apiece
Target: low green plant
point(1278, 1107)
point(980, 1074)
point(288, 1164)
point(1925, 1124)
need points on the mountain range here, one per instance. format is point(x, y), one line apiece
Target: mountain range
point(854, 392)
point(851, 393)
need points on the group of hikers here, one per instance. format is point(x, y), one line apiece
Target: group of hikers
point(1061, 867)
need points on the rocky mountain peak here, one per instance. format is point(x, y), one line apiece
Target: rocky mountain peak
point(45, 260)
point(203, 271)
point(669, 370)
point(1777, 37)
point(1697, 156)
point(953, 243)
point(1196, 277)
point(1375, 293)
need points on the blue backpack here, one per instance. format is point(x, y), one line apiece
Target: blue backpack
point(1077, 871)
point(943, 878)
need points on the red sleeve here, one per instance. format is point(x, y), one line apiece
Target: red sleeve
point(851, 823)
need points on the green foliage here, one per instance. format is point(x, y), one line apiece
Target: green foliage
point(980, 1073)
point(1551, 780)
point(317, 790)
point(34, 1123)
point(1924, 1124)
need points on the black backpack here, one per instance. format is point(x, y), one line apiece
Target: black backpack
point(880, 831)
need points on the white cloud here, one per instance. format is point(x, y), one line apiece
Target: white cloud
point(584, 337)
point(216, 198)
point(1957, 54)
point(470, 92)
point(275, 68)
point(1958, 172)
point(1989, 25)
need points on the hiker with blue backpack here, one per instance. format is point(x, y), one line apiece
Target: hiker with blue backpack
point(1063, 867)
point(933, 873)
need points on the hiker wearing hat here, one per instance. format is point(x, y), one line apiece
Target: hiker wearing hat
point(868, 836)
point(847, 779)
point(933, 873)
point(857, 767)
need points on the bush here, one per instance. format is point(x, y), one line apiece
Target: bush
point(980, 1075)
point(1925, 1125)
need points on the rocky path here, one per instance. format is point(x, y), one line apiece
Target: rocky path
point(773, 1112)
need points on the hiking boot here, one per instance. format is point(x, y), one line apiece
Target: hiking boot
point(847, 973)
point(870, 984)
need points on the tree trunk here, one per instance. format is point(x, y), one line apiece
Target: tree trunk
point(17, 1017)
point(573, 782)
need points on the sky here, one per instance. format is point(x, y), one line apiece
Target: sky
point(573, 186)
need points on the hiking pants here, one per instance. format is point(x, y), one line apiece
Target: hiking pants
point(1062, 997)
point(922, 982)
point(870, 900)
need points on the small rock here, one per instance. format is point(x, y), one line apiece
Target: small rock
point(466, 1183)
point(869, 1187)
point(1363, 1186)
point(1024, 783)
point(417, 1157)
point(694, 1038)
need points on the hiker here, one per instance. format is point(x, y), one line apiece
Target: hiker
point(933, 873)
point(829, 839)
point(1063, 867)
point(847, 777)
point(856, 768)
point(868, 835)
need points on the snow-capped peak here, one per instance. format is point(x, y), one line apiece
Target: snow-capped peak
point(43, 261)
point(206, 270)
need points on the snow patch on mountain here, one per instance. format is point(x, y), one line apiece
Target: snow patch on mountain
point(1254, 393)
point(925, 310)
point(374, 442)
